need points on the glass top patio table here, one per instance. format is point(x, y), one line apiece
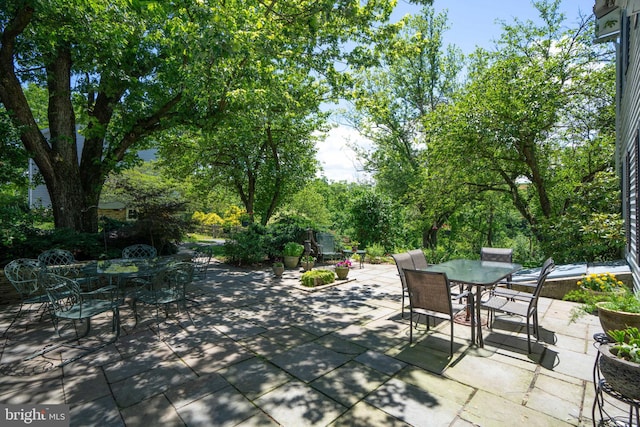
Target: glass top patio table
point(479, 274)
point(475, 272)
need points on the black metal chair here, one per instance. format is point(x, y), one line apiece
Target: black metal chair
point(430, 295)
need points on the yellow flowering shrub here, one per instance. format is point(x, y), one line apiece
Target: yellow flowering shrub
point(603, 282)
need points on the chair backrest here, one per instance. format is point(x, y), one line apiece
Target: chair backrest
point(58, 261)
point(496, 254)
point(175, 277)
point(63, 292)
point(429, 290)
point(418, 258)
point(547, 268)
point(326, 242)
point(201, 259)
point(139, 251)
point(403, 262)
point(23, 273)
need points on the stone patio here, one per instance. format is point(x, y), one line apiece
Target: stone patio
point(256, 351)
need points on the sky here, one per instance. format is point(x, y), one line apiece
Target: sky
point(472, 23)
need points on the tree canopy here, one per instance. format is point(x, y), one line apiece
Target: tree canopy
point(123, 71)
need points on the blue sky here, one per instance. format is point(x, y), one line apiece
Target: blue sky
point(473, 23)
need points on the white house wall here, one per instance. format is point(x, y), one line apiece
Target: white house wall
point(39, 195)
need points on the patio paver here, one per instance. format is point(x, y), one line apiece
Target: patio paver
point(258, 351)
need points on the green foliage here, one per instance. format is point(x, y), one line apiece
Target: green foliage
point(247, 246)
point(602, 282)
point(159, 205)
point(311, 204)
point(375, 220)
point(620, 301)
point(84, 246)
point(591, 229)
point(285, 227)
point(627, 344)
point(311, 278)
point(375, 253)
point(293, 249)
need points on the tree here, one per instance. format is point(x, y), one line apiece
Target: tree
point(264, 148)
point(535, 120)
point(394, 101)
point(125, 70)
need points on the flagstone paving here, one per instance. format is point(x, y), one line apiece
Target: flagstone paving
point(257, 351)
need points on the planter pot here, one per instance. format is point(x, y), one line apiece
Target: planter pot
point(291, 261)
point(307, 265)
point(278, 271)
point(342, 272)
point(613, 319)
point(621, 374)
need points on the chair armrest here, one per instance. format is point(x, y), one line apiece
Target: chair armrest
point(461, 295)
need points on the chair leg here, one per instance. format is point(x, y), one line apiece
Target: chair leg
point(451, 346)
point(403, 291)
point(528, 336)
point(410, 326)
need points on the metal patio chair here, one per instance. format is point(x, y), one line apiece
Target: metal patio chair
point(139, 251)
point(418, 258)
point(23, 275)
point(525, 306)
point(167, 287)
point(430, 295)
point(403, 262)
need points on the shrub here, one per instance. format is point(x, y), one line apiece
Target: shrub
point(293, 249)
point(246, 246)
point(314, 278)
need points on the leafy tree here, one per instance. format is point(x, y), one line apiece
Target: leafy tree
point(416, 75)
point(126, 70)
point(535, 121)
point(158, 202)
point(376, 220)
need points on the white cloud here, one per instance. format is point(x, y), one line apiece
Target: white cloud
point(338, 160)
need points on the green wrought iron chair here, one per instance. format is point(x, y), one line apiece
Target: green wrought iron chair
point(23, 275)
point(139, 251)
point(167, 287)
point(68, 302)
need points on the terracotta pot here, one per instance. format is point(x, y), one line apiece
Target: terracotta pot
point(616, 320)
point(622, 375)
point(342, 272)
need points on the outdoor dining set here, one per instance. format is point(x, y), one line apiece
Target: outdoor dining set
point(67, 289)
point(458, 290)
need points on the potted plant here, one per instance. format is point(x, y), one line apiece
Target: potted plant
point(619, 311)
point(604, 295)
point(292, 252)
point(354, 246)
point(278, 268)
point(342, 269)
point(620, 361)
point(307, 262)
point(601, 284)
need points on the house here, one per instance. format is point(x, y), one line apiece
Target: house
point(39, 195)
point(617, 22)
